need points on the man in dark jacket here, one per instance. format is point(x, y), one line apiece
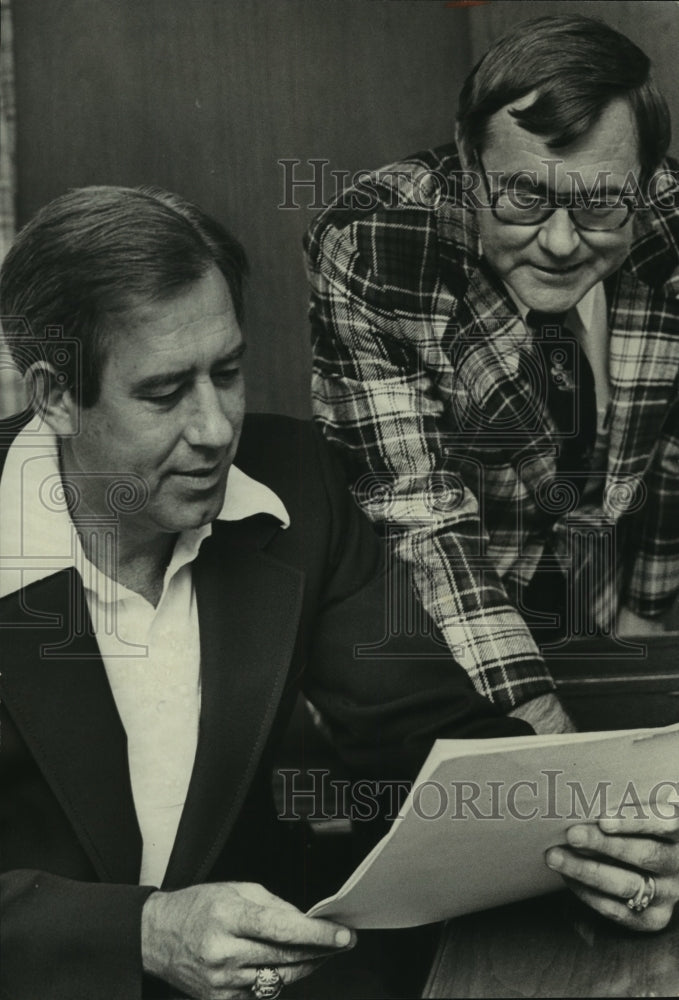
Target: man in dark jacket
point(161, 609)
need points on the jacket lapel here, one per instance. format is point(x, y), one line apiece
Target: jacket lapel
point(248, 607)
point(56, 689)
point(506, 373)
point(491, 352)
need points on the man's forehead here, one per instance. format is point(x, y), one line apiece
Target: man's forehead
point(207, 296)
point(609, 145)
point(196, 327)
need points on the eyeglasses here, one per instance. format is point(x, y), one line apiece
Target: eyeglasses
point(517, 206)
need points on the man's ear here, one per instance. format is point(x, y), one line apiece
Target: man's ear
point(54, 399)
point(467, 155)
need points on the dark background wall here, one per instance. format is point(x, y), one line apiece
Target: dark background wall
point(206, 96)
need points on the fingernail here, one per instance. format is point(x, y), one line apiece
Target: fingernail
point(554, 859)
point(576, 837)
point(609, 825)
point(343, 938)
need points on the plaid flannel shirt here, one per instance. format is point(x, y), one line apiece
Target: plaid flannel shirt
point(422, 380)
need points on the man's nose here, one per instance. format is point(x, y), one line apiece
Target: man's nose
point(558, 234)
point(210, 422)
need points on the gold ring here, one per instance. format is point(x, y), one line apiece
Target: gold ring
point(644, 895)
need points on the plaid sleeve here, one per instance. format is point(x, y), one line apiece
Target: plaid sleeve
point(654, 581)
point(378, 368)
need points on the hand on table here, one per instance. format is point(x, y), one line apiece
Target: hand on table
point(209, 940)
point(626, 850)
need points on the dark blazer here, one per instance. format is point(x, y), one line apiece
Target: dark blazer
point(280, 611)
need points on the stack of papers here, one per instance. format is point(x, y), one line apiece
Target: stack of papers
point(481, 814)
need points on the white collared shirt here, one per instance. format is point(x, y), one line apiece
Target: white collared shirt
point(151, 655)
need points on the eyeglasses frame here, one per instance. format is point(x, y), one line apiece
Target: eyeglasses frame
point(550, 210)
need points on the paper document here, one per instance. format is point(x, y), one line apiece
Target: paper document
point(474, 829)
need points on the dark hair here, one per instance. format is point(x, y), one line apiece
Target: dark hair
point(96, 252)
point(577, 65)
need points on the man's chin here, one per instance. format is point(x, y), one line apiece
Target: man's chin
point(555, 299)
point(186, 516)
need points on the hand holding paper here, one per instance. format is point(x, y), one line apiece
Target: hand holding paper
point(482, 813)
point(627, 850)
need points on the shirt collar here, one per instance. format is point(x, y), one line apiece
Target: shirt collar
point(246, 496)
point(37, 536)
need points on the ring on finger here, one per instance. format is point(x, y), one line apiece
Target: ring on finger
point(268, 982)
point(644, 895)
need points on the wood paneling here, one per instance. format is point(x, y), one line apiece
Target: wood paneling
point(205, 97)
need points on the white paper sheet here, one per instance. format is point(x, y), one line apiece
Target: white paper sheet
point(473, 831)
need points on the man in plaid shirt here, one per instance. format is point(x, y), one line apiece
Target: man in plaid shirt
point(463, 300)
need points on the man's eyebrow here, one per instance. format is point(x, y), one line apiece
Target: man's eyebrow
point(165, 379)
point(232, 356)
